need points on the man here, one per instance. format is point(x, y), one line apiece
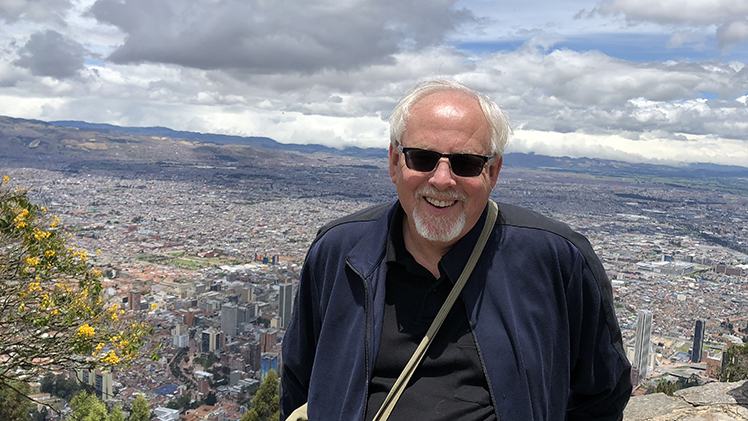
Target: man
point(533, 335)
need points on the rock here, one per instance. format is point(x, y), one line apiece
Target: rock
point(647, 406)
point(710, 402)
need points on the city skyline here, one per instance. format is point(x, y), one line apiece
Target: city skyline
point(196, 250)
point(612, 79)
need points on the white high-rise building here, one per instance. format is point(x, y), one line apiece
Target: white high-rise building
point(285, 304)
point(643, 344)
point(229, 319)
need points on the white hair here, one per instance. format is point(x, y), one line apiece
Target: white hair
point(500, 129)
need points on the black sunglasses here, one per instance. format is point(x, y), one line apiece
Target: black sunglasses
point(462, 164)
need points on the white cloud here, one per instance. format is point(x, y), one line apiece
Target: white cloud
point(733, 32)
point(275, 37)
point(729, 17)
point(268, 69)
point(705, 12)
point(649, 148)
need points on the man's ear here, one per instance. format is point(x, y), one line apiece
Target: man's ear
point(394, 158)
point(494, 169)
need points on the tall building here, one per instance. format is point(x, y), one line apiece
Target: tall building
point(698, 342)
point(643, 343)
point(229, 320)
point(285, 304)
point(254, 355)
point(101, 381)
point(103, 385)
point(269, 362)
point(246, 294)
point(133, 300)
point(211, 340)
point(268, 339)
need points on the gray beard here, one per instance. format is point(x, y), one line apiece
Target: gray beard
point(438, 229)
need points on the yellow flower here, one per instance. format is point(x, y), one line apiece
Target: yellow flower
point(110, 358)
point(86, 331)
point(6, 179)
point(39, 234)
point(154, 306)
point(49, 253)
point(32, 261)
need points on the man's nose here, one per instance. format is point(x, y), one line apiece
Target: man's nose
point(442, 177)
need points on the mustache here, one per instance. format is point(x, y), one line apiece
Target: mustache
point(441, 194)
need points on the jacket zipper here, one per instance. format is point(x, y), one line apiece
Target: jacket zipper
point(483, 365)
point(367, 336)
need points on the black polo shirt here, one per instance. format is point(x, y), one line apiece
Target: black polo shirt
point(449, 384)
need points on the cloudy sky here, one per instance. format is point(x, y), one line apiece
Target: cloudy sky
point(645, 81)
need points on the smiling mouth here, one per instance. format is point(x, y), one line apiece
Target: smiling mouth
point(440, 203)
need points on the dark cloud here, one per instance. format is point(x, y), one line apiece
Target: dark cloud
point(262, 36)
point(33, 10)
point(50, 53)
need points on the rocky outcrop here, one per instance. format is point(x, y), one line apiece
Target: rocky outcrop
point(712, 402)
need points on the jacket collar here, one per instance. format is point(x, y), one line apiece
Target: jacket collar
point(367, 255)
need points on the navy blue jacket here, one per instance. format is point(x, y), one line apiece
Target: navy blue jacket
point(539, 304)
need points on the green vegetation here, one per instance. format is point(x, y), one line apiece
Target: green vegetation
point(60, 386)
point(684, 348)
point(736, 363)
point(206, 361)
point(89, 408)
point(180, 259)
point(265, 405)
point(14, 405)
point(669, 388)
point(52, 312)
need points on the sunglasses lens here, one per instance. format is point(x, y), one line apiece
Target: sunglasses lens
point(422, 160)
point(463, 165)
point(466, 165)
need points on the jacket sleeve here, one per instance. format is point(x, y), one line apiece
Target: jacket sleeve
point(299, 346)
point(600, 383)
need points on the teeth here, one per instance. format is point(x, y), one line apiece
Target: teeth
point(440, 203)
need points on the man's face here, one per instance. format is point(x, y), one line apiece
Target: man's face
point(440, 206)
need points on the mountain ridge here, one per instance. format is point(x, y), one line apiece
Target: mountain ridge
point(25, 140)
point(514, 159)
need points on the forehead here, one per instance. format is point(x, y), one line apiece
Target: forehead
point(448, 120)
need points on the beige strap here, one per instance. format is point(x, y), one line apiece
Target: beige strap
point(299, 414)
point(389, 402)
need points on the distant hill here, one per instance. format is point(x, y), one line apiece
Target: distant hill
point(71, 144)
point(254, 141)
point(38, 144)
point(519, 160)
point(596, 166)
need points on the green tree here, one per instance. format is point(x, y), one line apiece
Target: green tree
point(116, 414)
point(48, 384)
point(265, 405)
point(14, 405)
point(141, 410)
point(37, 415)
point(51, 306)
point(666, 387)
point(736, 363)
point(88, 408)
point(211, 399)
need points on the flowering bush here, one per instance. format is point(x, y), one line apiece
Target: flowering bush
point(51, 308)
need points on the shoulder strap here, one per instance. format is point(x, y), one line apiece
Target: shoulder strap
point(389, 402)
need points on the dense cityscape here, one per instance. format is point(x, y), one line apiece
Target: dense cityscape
point(212, 263)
